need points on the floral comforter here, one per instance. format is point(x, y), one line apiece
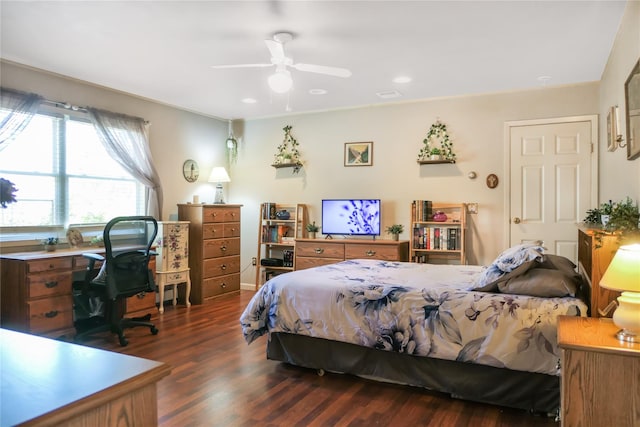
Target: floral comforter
point(419, 309)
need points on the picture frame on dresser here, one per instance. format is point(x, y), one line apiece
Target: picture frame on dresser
point(632, 112)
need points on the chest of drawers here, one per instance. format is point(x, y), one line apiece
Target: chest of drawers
point(214, 249)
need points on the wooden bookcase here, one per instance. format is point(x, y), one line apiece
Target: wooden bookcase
point(438, 241)
point(277, 238)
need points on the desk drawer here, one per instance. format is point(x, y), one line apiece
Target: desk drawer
point(49, 264)
point(220, 285)
point(221, 266)
point(383, 252)
point(141, 301)
point(320, 250)
point(221, 247)
point(41, 285)
point(50, 313)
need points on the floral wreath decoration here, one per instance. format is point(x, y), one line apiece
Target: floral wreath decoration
point(437, 133)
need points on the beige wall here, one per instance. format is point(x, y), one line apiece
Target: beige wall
point(619, 177)
point(475, 123)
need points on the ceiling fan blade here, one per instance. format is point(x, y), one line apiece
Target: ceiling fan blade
point(276, 49)
point(321, 69)
point(242, 66)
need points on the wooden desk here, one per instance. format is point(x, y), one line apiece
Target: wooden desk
point(36, 291)
point(48, 382)
point(600, 375)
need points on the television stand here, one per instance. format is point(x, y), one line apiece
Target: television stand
point(314, 253)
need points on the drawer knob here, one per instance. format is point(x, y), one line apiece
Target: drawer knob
point(370, 253)
point(51, 284)
point(223, 248)
point(141, 295)
point(223, 267)
point(51, 314)
point(319, 250)
point(223, 285)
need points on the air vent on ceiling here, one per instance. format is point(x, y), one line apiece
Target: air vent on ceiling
point(389, 94)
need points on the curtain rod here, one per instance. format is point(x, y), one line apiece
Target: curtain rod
point(68, 106)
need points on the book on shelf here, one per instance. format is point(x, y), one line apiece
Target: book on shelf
point(436, 238)
point(422, 210)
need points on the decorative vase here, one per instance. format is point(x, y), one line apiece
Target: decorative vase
point(312, 234)
point(435, 157)
point(604, 219)
point(439, 216)
point(49, 248)
point(283, 214)
point(395, 237)
point(287, 160)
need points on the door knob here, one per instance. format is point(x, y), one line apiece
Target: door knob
point(516, 220)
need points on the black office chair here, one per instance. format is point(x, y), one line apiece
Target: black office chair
point(124, 273)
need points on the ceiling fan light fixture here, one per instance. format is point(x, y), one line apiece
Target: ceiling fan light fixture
point(280, 81)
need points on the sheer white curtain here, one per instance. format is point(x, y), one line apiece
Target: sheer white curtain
point(22, 107)
point(126, 140)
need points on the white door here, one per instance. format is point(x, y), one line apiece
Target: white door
point(553, 181)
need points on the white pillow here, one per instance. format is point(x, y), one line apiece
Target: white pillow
point(509, 260)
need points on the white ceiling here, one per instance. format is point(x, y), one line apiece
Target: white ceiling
point(163, 50)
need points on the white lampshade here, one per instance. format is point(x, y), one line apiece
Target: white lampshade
point(219, 174)
point(280, 81)
point(623, 274)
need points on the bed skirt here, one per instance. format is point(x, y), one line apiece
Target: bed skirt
point(533, 392)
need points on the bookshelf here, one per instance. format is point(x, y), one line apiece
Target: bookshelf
point(435, 241)
point(277, 236)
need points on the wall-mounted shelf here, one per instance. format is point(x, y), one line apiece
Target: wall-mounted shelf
point(434, 162)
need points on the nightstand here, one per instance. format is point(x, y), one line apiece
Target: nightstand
point(600, 383)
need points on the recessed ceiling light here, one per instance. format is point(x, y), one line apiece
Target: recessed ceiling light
point(317, 91)
point(389, 94)
point(249, 101)
point(402, 79)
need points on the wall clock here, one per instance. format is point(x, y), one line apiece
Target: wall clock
point(190, 170)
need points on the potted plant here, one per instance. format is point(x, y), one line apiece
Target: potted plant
point(312, 229)
point(50, 244)
point(435, 153)
point(623, 219)
point(98, 241)
point(7, 192)
point(395, 230)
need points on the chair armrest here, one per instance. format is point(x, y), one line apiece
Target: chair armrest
point(92, 256)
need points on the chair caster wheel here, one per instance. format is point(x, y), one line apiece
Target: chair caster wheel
point(154, 331)
point(123, 341)
point(320, 372)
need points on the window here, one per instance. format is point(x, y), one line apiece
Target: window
point(64, 176)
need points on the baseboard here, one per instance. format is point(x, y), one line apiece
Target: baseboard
point(248, 286)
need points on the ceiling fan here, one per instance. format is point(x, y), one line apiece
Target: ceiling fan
point(281, 81)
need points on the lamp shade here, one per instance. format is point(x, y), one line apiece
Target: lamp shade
point(219, 174)
point(280, 81)
point(623, 274)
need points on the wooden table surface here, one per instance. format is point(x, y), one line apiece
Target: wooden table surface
point(41, 378)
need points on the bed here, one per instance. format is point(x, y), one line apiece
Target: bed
point(450, 328)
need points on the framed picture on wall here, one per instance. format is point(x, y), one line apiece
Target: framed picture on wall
point(358, 153)
point(612, 128)
point(632, 101)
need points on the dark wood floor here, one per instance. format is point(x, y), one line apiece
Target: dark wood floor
point(218, 380)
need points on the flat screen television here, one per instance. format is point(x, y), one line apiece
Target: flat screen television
point(355, 217)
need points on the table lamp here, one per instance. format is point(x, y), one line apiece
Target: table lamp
point(219, 175)
point(623, 274)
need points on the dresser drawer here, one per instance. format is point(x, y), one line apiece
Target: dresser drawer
point(218, 214)
point(50, 314)
point(40, 285)
point(383, 252)
point(221, 266)
point(232, 229)
point(221, 247)
point(49, 264)
point(220, 285)
point(308, 262)
point(141, 301)
point(320, 250)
